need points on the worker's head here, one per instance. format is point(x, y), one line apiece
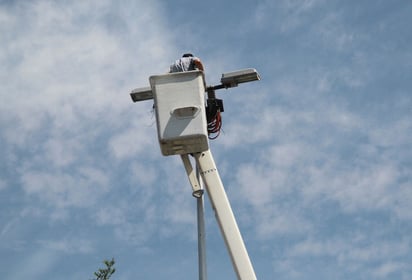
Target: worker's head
point(187, 55)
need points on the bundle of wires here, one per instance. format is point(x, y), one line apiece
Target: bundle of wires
point(214, 126)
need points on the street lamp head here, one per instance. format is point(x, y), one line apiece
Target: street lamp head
point(141, 94)
point(232, 79)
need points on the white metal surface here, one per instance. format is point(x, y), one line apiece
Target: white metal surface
point(225, 217)
point(180, 112)
point(197, 190)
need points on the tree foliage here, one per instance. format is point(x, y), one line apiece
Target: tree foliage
point(105, 273)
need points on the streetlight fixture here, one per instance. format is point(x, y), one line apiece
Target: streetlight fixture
point(141, 94)
point(233, 79)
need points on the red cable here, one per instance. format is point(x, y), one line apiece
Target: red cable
point(215, 126)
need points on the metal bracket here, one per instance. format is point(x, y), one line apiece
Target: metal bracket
point(191, 174)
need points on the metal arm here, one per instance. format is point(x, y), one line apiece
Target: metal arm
point(191, 174)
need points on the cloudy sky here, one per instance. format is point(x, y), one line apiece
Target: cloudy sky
point(316, 158)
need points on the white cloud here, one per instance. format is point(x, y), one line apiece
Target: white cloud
point(386, 269)
point(402, 199)
point(317, 248)
point(61, 152)
point(111, 215)
point(358, 255)
point(3, 184)
point(36, 265)
point(281, 221)
point(69, 246)
point(62, 189)
point(259, 185)
point(66, 91)
point(145, 174)
point(77, 68)
point(68, 118)
point(136, 139)
point(285, 16)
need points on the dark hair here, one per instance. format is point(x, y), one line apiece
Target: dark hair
point(187, 55)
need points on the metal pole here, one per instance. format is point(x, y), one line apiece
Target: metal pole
point(201, 241)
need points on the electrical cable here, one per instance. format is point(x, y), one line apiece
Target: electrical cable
point(214, 126)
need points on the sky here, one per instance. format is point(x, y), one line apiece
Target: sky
point(316, 157)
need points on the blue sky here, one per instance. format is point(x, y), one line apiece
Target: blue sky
point(315, 157)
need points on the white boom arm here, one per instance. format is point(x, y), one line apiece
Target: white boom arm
point(224, 214)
